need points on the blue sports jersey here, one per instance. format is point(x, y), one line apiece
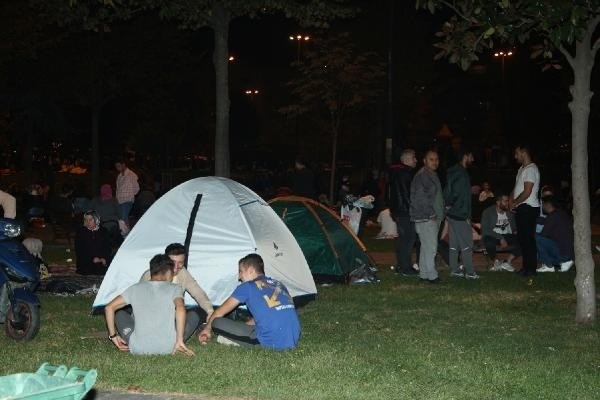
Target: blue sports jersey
point(277, 325)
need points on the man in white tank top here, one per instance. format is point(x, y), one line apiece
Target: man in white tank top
point(525, 203)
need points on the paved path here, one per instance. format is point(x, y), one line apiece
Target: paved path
point(109, 395)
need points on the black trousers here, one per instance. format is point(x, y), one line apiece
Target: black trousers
point(526, 219)
point(407, 236)
point(491, 242)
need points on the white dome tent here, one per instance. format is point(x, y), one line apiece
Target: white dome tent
point(220, 221)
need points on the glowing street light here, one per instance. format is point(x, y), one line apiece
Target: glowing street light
point(299, 39)
point(231, 58)
point(251, 92)
point(502, 55)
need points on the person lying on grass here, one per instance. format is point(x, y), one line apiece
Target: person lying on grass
point(155, 303)
point(275, 322)
point(181, 276)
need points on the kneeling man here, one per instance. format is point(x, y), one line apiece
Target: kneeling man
point(155, 303)
point(275, 324)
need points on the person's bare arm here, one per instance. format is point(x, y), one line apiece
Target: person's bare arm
point(180, 327)
point(109, 313)
point(228, 306)
point(528, 187)
point(190, 285)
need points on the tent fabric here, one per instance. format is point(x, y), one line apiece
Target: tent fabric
point(231, 222)
point(330, 247)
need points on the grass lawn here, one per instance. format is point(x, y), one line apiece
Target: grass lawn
point(496, 338)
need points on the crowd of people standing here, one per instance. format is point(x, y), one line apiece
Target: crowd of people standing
point(420, 205)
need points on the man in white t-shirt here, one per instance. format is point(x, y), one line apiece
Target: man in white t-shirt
point(499, 228)
point(525, 202)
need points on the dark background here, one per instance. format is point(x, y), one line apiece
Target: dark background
point(158, 98)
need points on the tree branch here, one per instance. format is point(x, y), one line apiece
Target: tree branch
point(595, 48)
point(567, 55)
point(460, 14)
point(589, 32)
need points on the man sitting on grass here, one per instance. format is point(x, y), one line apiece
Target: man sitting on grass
point(555, 241)
point(156, 304)
point(499, 227)
point(275, 324)
point(181, 277)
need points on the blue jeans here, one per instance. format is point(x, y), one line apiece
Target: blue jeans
point(125, 209)
point(548, 252)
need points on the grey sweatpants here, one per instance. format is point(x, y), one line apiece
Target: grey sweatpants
point(237, 331)
point(428, 235)
point(125, 322)
point(461, 241)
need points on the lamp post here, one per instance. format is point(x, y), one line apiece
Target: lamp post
point(299, 38)
point(502, 55)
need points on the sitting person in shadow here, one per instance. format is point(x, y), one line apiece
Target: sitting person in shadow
point(108, 211)
point(92, 246)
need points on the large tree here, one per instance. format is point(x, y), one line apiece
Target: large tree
point(96, 84)
point(217, 15)
point(334, 80)
point(555, 27)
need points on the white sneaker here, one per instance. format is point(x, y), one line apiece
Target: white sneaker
point(565, 266)
point(416, 266)
point(226, 341)
point(497, 266)
point(545, 268)
point(461, 268)
point(507, 266)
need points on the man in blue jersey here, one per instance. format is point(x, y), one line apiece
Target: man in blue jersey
point(275, 322)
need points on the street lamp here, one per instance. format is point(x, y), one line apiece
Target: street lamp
point(231, 58)
point(251, 92)
point(299, 39)
point(502, 55)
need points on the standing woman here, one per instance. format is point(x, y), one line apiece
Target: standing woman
point(92, 246)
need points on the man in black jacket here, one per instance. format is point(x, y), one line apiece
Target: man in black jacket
point(401, 175)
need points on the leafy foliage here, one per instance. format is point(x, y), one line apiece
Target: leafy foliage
point(477, 25)
point(195, 14)
point(335, 77)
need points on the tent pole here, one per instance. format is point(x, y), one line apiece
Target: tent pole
point(190, 228)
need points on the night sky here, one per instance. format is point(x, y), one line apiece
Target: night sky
point(158, 92)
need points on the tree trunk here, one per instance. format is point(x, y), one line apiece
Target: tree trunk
point(333, 164)
point(97, 101)
point(580, 112)
point(221, 18)
point(95, 149)
point(28, 152)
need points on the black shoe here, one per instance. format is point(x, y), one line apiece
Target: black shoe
point(409, 272)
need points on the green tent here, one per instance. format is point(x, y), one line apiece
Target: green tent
point(329, 246)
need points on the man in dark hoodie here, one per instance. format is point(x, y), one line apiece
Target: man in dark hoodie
point(401, 175)
point(555, 241)
point(457, 197)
